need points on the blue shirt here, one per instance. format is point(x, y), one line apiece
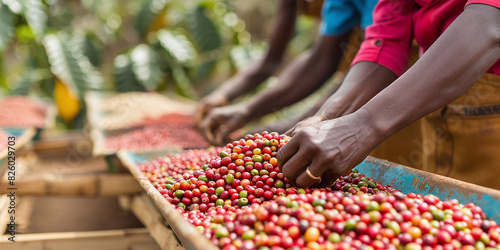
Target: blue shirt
point(340, 16)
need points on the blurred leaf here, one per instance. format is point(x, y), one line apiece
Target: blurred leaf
point(146, 67)
point(34, 13)
point(182, 84)
point(204, 70)
point(88, 45)
point(24, 33)
point(15, 6)
point(243, 55)
point(23, 84)
point(125, 79)
point(6, 26)
point(70, 66)
point(203, 30)
point(161, 21)
point(206, 37)
point(47, 86)
point(3, 82)
point(305, 34)
point(177, 46)
point(147, 15)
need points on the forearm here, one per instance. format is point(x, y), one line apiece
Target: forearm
point(445, 72)
point(249, 79)
point(363, 81)
point(265, 67)
point(302, 77)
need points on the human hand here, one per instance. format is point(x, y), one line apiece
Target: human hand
point(328, 149)
point(309, 121)
point(205, 105)
point(222, 121)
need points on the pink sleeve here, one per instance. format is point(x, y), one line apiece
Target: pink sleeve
point(388, 41)
point(494, 3)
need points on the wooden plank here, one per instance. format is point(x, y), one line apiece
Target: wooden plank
point(4, 216)
point(187, 233)
point(96, 240)
point(91, 184)
point(21, 141)
point(123, 109)
point(145, 211)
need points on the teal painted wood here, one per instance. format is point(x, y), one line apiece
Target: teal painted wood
point(416, 181)
point(149, 156)
point(15, 131)
point(12, 131)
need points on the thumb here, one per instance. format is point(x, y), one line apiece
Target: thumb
point(201, 111)
point(226, 129)
point(309, 121)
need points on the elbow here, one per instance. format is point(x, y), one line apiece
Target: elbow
point(490, 18)
point(493, 30)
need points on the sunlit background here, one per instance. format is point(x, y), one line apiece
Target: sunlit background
point(58, 49)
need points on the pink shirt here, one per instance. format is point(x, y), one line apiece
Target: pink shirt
point(397, 22)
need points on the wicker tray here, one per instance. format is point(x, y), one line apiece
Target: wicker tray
point(112, 114)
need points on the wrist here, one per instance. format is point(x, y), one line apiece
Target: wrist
point(333, 109)
point(244, 111)
point(375, 130)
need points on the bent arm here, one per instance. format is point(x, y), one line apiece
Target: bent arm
point(267, 65)
point(450, 67)
point(302, 77)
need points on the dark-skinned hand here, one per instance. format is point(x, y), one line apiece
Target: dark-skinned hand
point(305, 123)
point(205, 105)
point(328, 148)
point(222, 121)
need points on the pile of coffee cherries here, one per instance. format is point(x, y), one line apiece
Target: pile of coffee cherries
point(332, 220)
point(172, 119)
point(156, 137)
point(175, 166)
point(19, 111)
point(239, 199)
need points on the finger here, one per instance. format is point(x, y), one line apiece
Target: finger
point(200, 112)
point(304, 180)
point(290, 131)
point(287, 151)
point(297, 163)
point(328, 178)
point(308, 122)
point(235, 135)
point(206, 129)
point(296, 127)
point(220, 135)
point(225, 129)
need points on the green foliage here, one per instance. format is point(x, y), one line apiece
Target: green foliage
point(146, 68)
point(35, 13)
point(187, 47)
point(90, 47)
point(148, 13)
point(125, 79)
point(6, 26)
point(70, 65)
point(206, 37)
point(203, 30)
point(177, 46)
